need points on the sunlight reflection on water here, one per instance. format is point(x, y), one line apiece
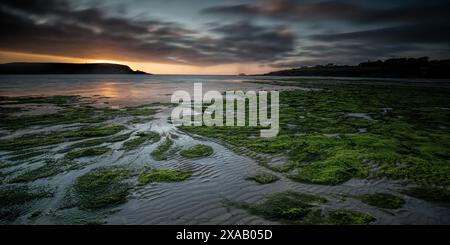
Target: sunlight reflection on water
point(122, 89)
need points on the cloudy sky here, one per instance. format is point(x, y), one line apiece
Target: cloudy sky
point(222, 37)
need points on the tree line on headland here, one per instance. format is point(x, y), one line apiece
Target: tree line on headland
point(392, 68)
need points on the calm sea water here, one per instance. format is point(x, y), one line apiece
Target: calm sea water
point(135, 89)
point(122, 89)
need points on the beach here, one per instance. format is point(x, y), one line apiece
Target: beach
point(94, 149)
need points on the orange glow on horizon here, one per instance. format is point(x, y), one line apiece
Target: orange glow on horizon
point(104, 61)
point(150, 67)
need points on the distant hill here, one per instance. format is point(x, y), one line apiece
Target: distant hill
point(66, 68)
point(391, 68)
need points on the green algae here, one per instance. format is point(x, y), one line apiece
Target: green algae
point(141, 138)
point(93, 131)
point(344, 129)
point(117, 138)
point(44, 171)
point(163, 175)
point(9, 214)
point(72, 111)
point(383, 200)
point(348, 217)
point(48, 169)
point(334, 170)
point(97, 142)
point(101, 188)
point(24, 155)
point(32, 140)
point(197, 151)
point(15, 195)
point(264, 178)
point(160, 153)
point(67, 116)
point(35, 214)
point(288, 206)
point(4, 111)
point(56, 99)
point(429, 193)
point(130, 111)
point(46, 139)
point(88, 152)
point(299, 208)
point(139, 111)
point(9, 164)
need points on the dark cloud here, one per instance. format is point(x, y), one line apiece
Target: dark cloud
point(416, 33)
point(294, 10)
point(341, 53)
point(238, 9)
point(339, 32)
point(248, 41)
point(338, 11)
point(37, 6)
point(376, 31)
point(60, 29)
point(353, 51)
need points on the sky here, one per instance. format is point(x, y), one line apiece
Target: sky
point(222, 37)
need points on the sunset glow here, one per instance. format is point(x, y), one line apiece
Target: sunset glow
point(229, 38)
point(154, 68)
